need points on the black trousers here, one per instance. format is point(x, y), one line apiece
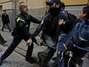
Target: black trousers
point(2, 41)
point(17, 39)
point(4, 25)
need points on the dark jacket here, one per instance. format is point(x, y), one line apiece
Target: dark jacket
point(70, 21)
point(5, 18)
point(49, 26)
point(80, 35)
point(23, 24)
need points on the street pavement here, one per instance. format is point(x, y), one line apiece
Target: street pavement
point(15, 60)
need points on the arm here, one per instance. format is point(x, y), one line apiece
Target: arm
point(40, 27)
point(33, 19)
point(73, 36)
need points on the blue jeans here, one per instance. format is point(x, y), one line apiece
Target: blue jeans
point(61, 48)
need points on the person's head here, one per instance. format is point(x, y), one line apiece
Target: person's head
point(23, 8)
point(54, 6)
point(84, 14)
point(53, 3)
point(4, 11)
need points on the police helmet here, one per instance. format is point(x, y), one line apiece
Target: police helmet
point(51, 2)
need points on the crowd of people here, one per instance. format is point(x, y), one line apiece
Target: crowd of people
point(62, 32)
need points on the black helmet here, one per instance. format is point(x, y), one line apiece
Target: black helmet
point(51, 2)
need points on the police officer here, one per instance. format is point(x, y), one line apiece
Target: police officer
point(20, 32)
point(49, 27)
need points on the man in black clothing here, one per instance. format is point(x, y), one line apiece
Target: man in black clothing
point(5, 20)
point(21, 32)
point(49, 28)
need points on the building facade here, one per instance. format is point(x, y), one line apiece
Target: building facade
point(36, 4)
point(36, 7)
point(12, 7)
point(75, 2)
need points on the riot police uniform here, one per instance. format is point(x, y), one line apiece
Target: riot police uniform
point(20, 32)
point(49, 27)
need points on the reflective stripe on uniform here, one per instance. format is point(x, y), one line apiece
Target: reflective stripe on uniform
point(19, 19)
point(82, 39)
